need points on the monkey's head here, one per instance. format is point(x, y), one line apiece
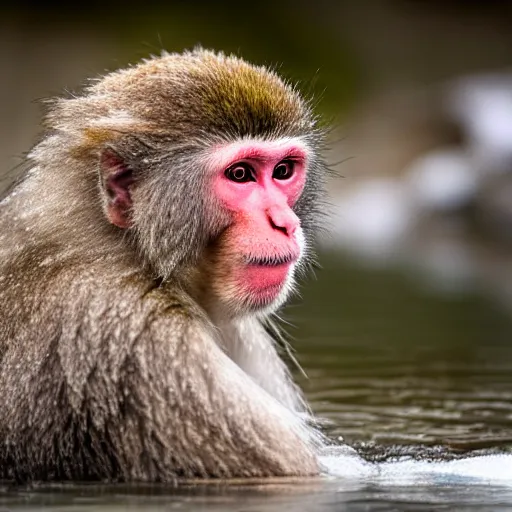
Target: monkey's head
point(202, 161)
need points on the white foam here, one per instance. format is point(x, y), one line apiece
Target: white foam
point(343, 462)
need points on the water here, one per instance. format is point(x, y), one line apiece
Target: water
point(400, 370)
point(417, 381)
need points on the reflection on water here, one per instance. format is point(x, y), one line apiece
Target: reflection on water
point(304, 497)
point(400, 372)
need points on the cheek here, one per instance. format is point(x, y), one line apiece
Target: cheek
point(234, 243)
point(293, 188)
point(231, 196)
point(224, 265)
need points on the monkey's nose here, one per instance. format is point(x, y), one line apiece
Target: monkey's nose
point(283, 219)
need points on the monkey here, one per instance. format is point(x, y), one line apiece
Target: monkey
point(161, 221)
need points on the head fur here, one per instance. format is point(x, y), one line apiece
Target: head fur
point(159, 117)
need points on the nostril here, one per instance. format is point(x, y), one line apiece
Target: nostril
point(279, 228)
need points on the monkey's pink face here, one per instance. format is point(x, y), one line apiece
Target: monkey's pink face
point(258, 182)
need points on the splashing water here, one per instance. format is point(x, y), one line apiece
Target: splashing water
point(344, 462)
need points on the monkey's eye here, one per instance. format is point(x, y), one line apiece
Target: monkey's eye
point(240, 173)
point(283, 170)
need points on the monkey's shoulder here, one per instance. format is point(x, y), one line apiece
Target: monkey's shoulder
point(101, 298)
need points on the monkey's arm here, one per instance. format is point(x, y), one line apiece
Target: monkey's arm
point(194, 412)
point(177, 405)
point(139, 393)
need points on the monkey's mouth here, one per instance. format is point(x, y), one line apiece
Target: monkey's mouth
point(265, 276)
point(270, 261)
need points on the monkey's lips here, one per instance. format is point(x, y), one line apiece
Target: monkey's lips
point(265, 277)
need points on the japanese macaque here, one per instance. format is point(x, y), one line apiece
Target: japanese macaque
point(161, 221)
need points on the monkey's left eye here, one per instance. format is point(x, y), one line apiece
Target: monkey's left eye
point(240, 173)
point(283, 170)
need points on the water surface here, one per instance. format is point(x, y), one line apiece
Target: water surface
point(401, 369)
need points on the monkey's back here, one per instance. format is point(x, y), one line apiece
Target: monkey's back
point(69, 328)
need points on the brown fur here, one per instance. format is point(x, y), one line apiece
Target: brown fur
point(110, 368)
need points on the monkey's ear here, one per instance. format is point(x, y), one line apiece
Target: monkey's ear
point(116, 180)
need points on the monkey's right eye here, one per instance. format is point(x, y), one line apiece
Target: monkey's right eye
point(240, 173)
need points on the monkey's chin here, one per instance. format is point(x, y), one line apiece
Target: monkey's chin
point(266, 296)
point(266, 287)
point(262, 302)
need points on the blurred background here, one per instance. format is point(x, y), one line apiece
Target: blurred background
point(406, 331)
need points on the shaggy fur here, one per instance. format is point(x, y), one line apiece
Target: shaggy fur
point(109, 367)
